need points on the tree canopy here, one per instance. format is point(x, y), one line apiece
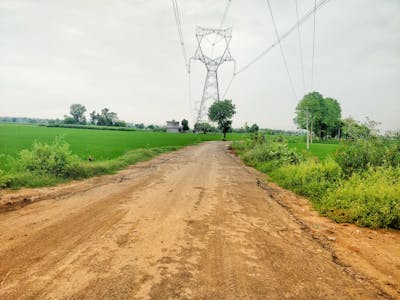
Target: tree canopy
point(203, 127)
point(105, 118)
point(185, 125)
point(77, 111)
point(322, 114)
point(222, 112)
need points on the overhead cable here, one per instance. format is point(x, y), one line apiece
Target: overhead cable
point(281, 48)
point(182, 43)
point(180, 34)
point(313, 49)
point(316, 7)
point(300, 48)
point(228, 4)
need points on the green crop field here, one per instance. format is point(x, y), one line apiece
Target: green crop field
point(99, 144)
point(321, 150)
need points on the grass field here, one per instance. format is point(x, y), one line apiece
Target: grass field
point(321, 150)
point(100, 144)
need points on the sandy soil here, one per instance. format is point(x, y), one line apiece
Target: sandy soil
point(192, 224)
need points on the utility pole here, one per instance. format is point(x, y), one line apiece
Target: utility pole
point(213, 37)
point(308, 132)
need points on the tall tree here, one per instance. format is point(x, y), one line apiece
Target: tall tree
point(202, 127)
point(253, 128)
point(185, 125)
point(318, 115)
point(93, 118)
point(354, 130)
point(330, 121)
point(222, 112)
point(106, 118)
point(77, 112)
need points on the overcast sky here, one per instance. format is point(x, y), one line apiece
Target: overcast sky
point(125, 55)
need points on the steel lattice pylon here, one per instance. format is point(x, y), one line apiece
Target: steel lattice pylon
point(211, 62)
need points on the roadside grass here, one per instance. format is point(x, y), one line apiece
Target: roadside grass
point(357, 182)
point(22, 176)
point(33, 156)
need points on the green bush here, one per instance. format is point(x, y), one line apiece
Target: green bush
point(3, 180)
point(248, 142)
point(368, 199)
point(359, 155)
point(360, 185)
point(49, 164)
point(49, 159)
point(278, 153)
point(310, 178)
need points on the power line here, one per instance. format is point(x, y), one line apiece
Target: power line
point(285, 35)
point(280, 46)
point(182, 43)
point(190, 95)
point(228, 4)
point(180, 34)
point(313, 49)
point(300, 47)
point(229, 86)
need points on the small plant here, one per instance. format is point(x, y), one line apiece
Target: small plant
point(279, 153)
point(310, 178)
point(359, 155)
point(52, 159)
point(369, 199)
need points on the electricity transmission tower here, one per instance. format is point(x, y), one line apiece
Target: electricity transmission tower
point(212, 51)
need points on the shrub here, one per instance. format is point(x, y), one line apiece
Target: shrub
point(249, 141)
point(278, 153)
point(310, 178)
point(49, 159)
point(3, 180)
point(359, 155)
point(369, 199)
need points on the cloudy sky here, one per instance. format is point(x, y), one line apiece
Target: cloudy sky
point(125, 55)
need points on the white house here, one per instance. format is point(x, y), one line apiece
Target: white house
point(173, 126)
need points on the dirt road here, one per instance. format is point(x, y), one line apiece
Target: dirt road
point(191, 224)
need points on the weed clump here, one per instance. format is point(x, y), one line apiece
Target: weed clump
point(358, 156)
point(54, 159)
point(49, 164)
point(369, 199)
point(310, 178)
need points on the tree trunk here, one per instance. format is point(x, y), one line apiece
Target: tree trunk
point(308, 132)
point(311, 132)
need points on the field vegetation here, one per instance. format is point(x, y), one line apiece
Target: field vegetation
point(354, 181)
point(37, 155)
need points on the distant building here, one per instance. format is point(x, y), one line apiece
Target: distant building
point(173, 127)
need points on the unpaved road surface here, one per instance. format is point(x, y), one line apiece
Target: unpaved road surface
point(191, 224)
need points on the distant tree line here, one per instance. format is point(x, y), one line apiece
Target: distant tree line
point(25, 120)
point(104, 118)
